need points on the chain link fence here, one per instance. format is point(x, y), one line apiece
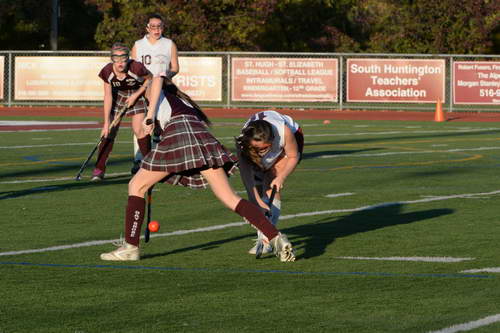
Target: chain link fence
point(331, 70)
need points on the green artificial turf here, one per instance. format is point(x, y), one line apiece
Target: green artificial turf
point(365, 190)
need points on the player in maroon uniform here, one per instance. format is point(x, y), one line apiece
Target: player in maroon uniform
point(125, 82)
point(188, 155)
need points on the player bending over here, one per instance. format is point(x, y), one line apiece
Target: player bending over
point(269, 148)
point(188, 155)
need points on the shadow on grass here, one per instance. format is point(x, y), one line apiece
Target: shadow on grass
point(409, 136)
point(306, 156)
point(312, 239)
point(45, 171)
point(56, 188)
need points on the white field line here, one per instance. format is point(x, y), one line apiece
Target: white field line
point(407, 132)
point(116, 174)
point(59, 145)
point(470, 325)
point(457, 150)
point(102, 242)
point(393, 132)
point(237, 224)
point(423, 259)
point(486, 270)
point(230, 138)
point(51, 130)
point(37, 122)
point(336, 195)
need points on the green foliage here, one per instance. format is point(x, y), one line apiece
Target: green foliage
point(25, 25)
point(389, 26)
point(225, 25)
point(310, 26)
point(429, 26)
point(22, 24)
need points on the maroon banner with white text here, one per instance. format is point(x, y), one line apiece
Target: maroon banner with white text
point(476, 82)
point(284, 79)
point(395, 80)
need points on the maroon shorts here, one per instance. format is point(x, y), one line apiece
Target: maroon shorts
point(185, 149)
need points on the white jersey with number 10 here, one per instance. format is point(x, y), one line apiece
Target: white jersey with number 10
point(156, 57)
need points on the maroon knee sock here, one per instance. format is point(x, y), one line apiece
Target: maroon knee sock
point(134, 216)
point(254, 215)
point(144, 145)
point(105, 149)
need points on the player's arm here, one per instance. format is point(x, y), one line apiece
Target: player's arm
point(133, 53)
point(174, 62)
point(292, 158)
point(154, 96)
point(145, 76)
point(108, 102)
point(247, 176)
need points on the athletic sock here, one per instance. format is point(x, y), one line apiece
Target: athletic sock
point(134, 216)
point(253, 214)
point(144, 144)
point(105, 149)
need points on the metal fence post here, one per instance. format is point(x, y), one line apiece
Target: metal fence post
point(9, 82)
point(341, 83)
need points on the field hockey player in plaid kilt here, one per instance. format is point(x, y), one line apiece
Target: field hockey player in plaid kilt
point(269, 148)
point(125, 82)
point(188, 155)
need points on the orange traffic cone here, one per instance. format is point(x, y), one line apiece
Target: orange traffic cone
point(439, 115)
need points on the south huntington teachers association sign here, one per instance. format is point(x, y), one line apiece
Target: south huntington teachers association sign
point(395, 80)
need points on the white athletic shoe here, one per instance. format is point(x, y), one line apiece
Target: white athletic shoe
point(97, 175)
point(261, 247)
point(283, 248)
point(125, 252)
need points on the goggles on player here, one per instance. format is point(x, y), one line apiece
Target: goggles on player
point(119, 57)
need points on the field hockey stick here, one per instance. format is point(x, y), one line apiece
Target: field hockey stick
point(270, 204)
point(150, 194)
point(113, 124)
point(147, 232)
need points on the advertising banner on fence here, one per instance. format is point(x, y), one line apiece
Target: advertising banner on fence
point(476, 82)
point(395, 80)
point(2, 75)
point(59, 78)
point(284, 79)
point(200, 78)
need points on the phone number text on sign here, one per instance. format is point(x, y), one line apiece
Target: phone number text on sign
point(284, 79)
point(476, 82)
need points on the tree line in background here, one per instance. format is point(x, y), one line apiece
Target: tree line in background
point(368, 26)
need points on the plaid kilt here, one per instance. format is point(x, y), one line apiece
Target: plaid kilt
point(186, 148)
point(119, 100)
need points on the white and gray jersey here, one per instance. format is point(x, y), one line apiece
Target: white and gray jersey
point(156, 57)
point(278, 122)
